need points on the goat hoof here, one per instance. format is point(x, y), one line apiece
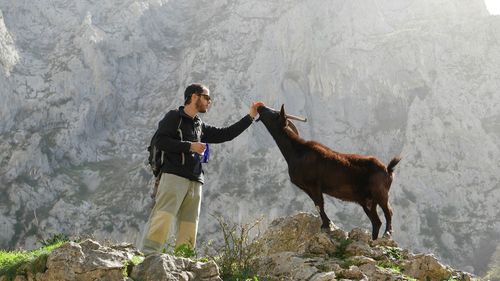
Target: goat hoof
point(326, 229)
point(387, 235)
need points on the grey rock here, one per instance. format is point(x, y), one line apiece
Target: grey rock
point(85, 261)
point(359, 248)
point(206, 270)
point(339, 234)
point(162, 267)
point(324, 276)
point(361, 260)
point(289, 234)
point(353, 272)
point(287, 266)
point(360, 235)
point(321, 244)
point(384, 242)
point(425, 266)
point(374, 272)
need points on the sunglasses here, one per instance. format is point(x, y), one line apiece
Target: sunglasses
point(207, 97)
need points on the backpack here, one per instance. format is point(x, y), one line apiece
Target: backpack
point(156, 155)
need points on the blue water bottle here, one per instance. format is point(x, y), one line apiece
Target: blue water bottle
point(206, 154)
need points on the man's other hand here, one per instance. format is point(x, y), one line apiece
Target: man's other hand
point(197, 147)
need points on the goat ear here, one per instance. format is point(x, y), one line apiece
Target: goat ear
point(282, 116)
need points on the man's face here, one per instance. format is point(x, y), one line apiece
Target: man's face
point(203, 101)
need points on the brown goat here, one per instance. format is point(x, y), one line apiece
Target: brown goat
point(316, 169)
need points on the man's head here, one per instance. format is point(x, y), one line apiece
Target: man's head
point(197, 95)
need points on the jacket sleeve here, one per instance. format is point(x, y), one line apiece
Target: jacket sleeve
point(168, 137)
point(213, 134)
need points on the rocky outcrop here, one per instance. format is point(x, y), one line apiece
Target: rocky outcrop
point(86, 261)
point(293, 248)
point(294, 253)
point(90, 261)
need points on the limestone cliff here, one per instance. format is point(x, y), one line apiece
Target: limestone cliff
point(84, 83)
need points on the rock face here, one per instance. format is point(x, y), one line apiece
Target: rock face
point(84, 83)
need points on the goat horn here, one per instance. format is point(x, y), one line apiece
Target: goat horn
point(293, 117)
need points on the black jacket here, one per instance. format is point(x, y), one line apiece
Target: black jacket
point(179, 160)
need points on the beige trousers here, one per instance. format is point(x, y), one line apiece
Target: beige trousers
point(178, 202)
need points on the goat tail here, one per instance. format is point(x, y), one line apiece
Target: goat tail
point(392, 164)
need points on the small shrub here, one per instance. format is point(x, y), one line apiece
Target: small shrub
point(236, 256)
point(340, 252)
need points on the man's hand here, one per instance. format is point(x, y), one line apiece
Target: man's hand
point(253, 108)
point(197, 147)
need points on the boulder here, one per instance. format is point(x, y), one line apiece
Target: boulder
point(324, 276)
point(287, 266)
point(86, 261)
point(426, 267)
point(360, 235)
point(290, 234)
point(161, 267)
point(374, 272)
point(321, 244)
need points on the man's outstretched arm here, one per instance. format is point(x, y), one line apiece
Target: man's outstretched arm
point(213, 134)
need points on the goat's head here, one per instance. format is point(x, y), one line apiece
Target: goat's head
point(276, 121)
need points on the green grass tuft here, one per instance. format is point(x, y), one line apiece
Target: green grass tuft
point(185, 251)
point(14, 263)
point(391, 266)
point(393, 253)
point(129, 264)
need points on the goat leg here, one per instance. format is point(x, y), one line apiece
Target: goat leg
point(386, 207)
point(371, 211)
point(317, 197)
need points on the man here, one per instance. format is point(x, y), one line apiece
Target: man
point(182, 136)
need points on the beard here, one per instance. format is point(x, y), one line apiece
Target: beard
point(200, 107)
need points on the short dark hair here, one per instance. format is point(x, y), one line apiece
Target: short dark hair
point(195, 88)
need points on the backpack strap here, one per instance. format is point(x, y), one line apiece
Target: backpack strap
point(180, 135)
